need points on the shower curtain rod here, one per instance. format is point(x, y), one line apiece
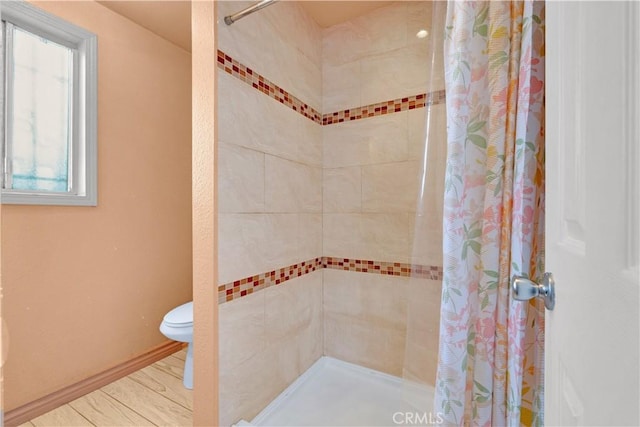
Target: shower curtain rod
point(233, 18)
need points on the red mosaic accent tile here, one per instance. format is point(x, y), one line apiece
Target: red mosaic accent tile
point(272, 90)
point(431, 272)
point(264, 85)
point(248, 285)
point(386, 107)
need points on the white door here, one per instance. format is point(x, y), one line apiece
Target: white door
point(592, 218)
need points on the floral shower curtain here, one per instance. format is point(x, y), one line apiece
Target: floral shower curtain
point(490, 369)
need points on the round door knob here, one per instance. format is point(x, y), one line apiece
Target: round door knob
point(525, 289)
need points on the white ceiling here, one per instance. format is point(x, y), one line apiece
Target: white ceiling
point(172, 19)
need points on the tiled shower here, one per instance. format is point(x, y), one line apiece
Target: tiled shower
point(329, 243)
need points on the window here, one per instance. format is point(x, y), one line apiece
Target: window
point(49, 147)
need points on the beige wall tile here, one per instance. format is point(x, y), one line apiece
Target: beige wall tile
point(419, 17)
point(280, 34)
point(423, 320)
point(371, 236)
point(381, 30)
point(308, 85)
point(340, 87)
point(385, 237)
point(341, 235)
point(342, 146)
point(395, 74)
point(340, 43)
point(240, 179)
point(291, 307)
point(280, 244)
point(253, 120)
point(417, 129)
point(251, 244)
point(311, 341)
point(283, 34)
point(246, 390)
point(386, 138)
point(365, 319)
point(421, 361)
point(283, 133)
point(292, 186)
point(425, 238)
point(309, 236)
point(426, 230)
point(269, 339)
point(342, 188)
point(241, 328)
point(391, 187)
point(310, 146)
point(424, 307)
point(439, 13)
point(372, 347)
point(308, 34)
point(242, 367)
point(380, 139)
point(385, 29)
point(241, 104)
point(283, 364)
point(241, 243)
point(382, 298)
point(255, 42)
point(294, 324)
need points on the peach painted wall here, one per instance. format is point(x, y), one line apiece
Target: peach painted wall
point(205, 333)
point(85, 288)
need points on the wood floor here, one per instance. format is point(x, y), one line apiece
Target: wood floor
point(153, 396)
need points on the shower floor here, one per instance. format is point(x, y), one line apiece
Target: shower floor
point(337, 393)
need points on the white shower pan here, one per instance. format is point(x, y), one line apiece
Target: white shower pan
point(337, 393)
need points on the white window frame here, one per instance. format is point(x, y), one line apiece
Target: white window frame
point(83, 155)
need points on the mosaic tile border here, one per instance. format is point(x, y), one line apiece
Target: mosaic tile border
point(272, 90)
point(431, 272)
point(248, 285)
point(387, 107)
point(266, 86)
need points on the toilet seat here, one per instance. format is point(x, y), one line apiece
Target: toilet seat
point(178, 325)
point(180, 317)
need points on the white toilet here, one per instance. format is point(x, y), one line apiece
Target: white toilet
point(178, 326)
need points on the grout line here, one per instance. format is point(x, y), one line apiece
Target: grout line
point(280, 156)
